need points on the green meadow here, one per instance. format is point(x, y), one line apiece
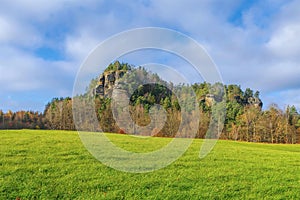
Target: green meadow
point(40, 164)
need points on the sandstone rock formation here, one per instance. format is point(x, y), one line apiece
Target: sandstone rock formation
point(107, 81)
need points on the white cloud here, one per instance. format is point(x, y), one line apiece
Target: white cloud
point(286, 42)
point(262, 52)
point(78, 47)
point(14, 32)
point(7, 29)
point(21, 71)
point(42, 10)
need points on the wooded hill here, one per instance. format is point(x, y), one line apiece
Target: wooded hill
point(245, 120)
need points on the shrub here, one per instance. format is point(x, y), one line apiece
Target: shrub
point(121, 131)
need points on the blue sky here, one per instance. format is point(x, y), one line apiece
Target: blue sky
point(43, 43)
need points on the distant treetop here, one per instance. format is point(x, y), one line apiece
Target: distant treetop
point(118, 66)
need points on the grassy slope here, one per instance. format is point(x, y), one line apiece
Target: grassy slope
point(54, 164)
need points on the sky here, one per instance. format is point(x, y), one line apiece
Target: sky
point(43, 43)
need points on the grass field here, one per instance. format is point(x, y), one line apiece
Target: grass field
point(55, 165)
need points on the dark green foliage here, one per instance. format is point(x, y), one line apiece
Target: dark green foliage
point(150, 94)
point(118, 66)
point(233, 110)
point(248, 93)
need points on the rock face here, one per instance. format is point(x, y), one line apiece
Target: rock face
point(112, 75)
point(256, 102)
point(210, 99)
point(107, 81)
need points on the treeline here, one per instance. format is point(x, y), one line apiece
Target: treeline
point(21, 120)
point(245, 120)
point(272, 125)
point(58, 114)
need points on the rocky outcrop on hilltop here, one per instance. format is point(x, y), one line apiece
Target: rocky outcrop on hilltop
point(109, 78)
point(107, 81)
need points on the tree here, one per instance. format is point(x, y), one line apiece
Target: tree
point(248, 94)
point(274, 114)
point(256, 94)
point(249, 121)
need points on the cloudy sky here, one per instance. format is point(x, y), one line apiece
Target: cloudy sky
point(254, 43)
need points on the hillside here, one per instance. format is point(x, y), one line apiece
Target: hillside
point(245, 120)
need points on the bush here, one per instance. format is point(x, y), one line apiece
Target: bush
point(121, 131)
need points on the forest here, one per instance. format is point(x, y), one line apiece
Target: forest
point(245, 120)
